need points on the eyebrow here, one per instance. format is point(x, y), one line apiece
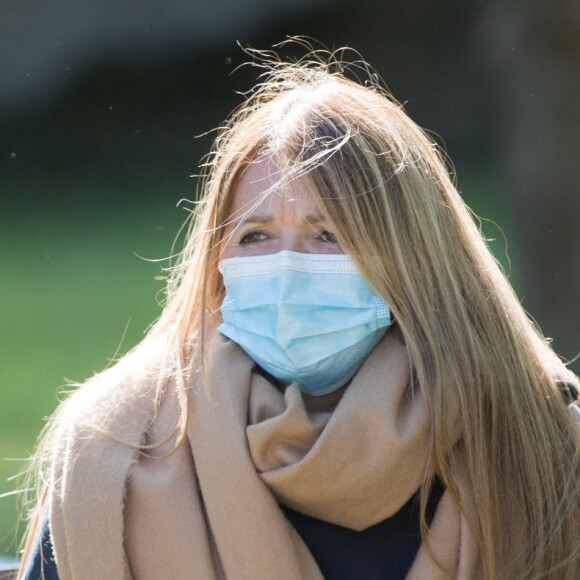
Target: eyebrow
point(265, 218)
point(314, 218)
point(256, 218)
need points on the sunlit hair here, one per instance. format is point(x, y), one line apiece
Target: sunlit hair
point(499, 423)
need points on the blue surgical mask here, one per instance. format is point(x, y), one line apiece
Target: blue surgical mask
point(305, 318)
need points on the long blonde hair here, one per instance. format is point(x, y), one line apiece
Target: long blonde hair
point(503, 441)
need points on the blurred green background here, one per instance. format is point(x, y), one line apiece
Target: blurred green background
point(100, 106)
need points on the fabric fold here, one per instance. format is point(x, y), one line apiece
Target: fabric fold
point(357, 465)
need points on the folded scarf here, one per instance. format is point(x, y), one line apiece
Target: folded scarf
point(211, 509)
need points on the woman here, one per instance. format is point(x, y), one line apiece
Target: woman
point(342, 383)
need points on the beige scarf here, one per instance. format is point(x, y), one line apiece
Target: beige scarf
point(211, 509)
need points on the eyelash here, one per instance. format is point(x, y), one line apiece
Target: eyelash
point(323, 235)
point(244, 239)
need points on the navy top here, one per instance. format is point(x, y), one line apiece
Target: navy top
point(385, 551)
point(41, 564)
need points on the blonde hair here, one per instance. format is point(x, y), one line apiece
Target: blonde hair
point(502, 437)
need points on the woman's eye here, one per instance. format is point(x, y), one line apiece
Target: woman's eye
point(253, 237)
point(327, 237)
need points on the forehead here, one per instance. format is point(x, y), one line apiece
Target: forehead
point(263, 186)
